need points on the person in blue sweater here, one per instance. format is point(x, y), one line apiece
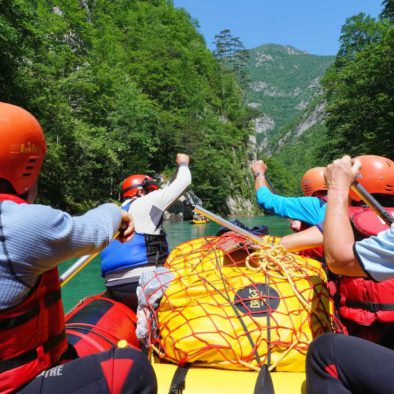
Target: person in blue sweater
point(123, 264)
point(34, 240)
point(309, 209)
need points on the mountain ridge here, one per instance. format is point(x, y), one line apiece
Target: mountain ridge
point(287, 99)
point(283, 81)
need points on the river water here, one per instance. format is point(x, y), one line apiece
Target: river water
point(89, 281)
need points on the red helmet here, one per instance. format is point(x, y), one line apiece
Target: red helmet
point(313, 181)
point(133, 183)
point(22, 148)
point(376, 175)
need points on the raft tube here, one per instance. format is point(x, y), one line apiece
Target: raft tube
point(195, 221)
point(98, 323)
point(197, 380)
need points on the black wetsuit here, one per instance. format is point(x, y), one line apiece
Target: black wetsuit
point(339, 364)
point(94, 374)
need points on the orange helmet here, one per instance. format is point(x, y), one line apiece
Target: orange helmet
point(22, 148)
point(313, 181)
point(376, 175)
point(133, 183)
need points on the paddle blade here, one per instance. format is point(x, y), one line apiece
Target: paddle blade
point(264, 384)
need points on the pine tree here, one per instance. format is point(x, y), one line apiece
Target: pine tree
point(388, 9)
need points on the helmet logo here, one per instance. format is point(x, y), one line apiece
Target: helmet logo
point(26, 148)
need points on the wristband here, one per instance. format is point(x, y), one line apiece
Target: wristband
point(258, 174)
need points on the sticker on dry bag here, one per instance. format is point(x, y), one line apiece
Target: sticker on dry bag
point(256, 299)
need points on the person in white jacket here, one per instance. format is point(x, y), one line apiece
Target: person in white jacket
point(122, 264)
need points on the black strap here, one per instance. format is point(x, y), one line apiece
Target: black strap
point(264, 383)
point(30, 355)
point(131, 188)
point(369, 306)
point(144, 184)
point(12, 322)
point(52, 297)
point(70, 354)
point(268, 315)
point(178, 383)
point(157, 249)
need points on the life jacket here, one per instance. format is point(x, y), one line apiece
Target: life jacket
point(366, 222)
point(363, 301)
point(33, 336)
point(142, 249)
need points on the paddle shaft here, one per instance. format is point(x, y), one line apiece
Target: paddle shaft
point(78, 266)
point(372, 203)
point(226, 223)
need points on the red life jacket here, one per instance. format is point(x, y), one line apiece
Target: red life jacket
point(33, 336)
point(366, 221)
point(361, 300)
point(365, 302)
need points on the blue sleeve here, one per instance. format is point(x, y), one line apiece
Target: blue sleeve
point(376, 255)
point(310, 210)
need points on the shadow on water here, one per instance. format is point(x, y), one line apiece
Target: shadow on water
point(90, 282)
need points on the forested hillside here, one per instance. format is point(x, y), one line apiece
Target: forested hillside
point(283, 82)
point(357, 105)
point(120, 87)
point(352, 114)
point(360, 88)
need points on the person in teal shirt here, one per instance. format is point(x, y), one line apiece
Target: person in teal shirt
point(309, 209)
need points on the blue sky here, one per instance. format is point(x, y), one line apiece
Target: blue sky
point(310, 25)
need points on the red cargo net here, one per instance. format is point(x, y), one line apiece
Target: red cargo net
point(237, 305)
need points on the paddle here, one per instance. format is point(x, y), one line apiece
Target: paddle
point(195, 204)
point(78, 266)
point(225, 223)
point(372, 203)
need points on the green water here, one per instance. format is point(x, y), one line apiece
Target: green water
point(89, 281)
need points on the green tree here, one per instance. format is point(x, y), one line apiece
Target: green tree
point(360, 91)
point(388, 9)
point(121, 87)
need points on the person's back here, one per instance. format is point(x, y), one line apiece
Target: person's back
point(365, 306)
point(339, 363)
